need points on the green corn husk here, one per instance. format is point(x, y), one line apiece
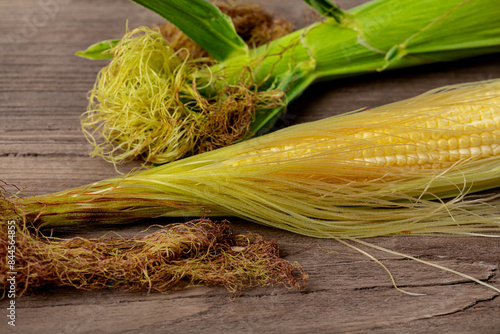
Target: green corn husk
point(378, 172)
point(376, 36)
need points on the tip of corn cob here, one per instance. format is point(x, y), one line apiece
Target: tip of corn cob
point(256, 25)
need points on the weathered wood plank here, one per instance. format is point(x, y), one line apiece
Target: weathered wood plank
point(318, 311)
point(346, 293)
point(43, 90)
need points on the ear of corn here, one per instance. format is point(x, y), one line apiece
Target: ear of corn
point(166, 259)
point(378, 35)
point(402, 168)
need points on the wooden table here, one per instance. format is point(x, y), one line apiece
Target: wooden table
point(43, 91)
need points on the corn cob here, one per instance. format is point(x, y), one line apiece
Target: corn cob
point(168, 259)
point(401, 168)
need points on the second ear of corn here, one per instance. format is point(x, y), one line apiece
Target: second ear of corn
point(401, 168)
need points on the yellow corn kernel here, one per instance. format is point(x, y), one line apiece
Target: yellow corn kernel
point(463, 142)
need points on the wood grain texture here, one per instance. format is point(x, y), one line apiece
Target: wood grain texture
point(43, 90)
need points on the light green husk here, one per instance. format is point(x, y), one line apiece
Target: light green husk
point(376, 36)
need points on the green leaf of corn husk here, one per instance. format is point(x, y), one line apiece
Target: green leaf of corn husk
point(99, 50)
point(326, 8)
point(203, 23)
